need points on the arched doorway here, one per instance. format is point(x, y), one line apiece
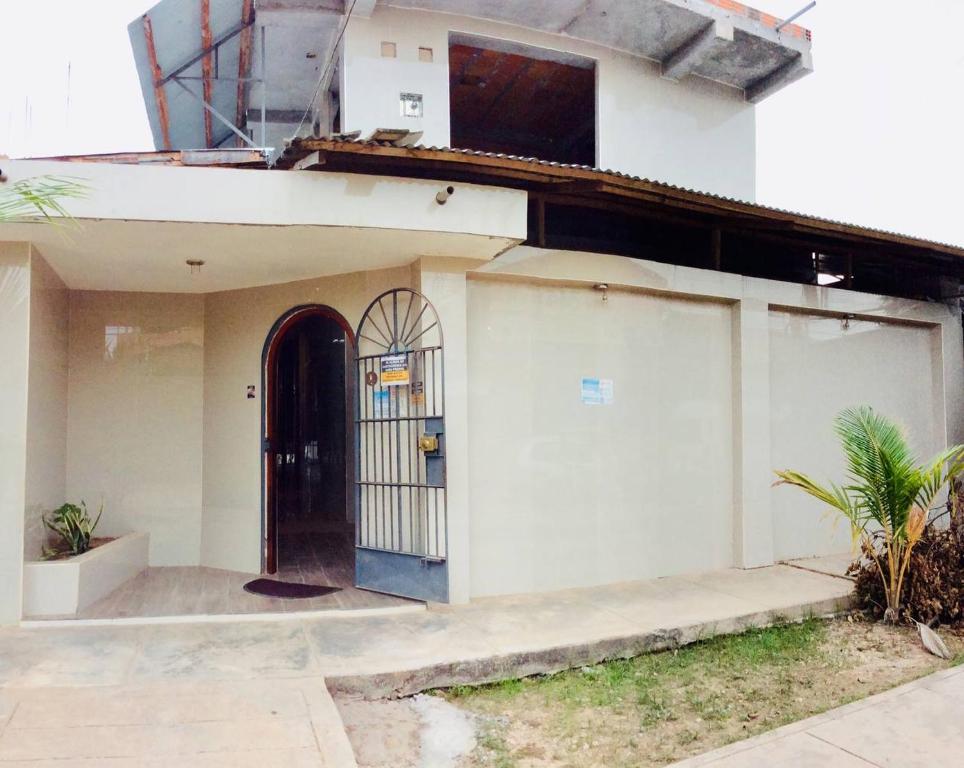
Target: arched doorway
point(308, 453)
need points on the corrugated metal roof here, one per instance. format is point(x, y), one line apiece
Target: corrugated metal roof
point(301, 147)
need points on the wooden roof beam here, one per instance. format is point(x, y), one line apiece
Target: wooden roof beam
point(207, 69)
point(160, 96)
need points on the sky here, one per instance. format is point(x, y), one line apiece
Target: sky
point(874, 136)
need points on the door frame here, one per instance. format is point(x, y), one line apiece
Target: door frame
point(269, 353)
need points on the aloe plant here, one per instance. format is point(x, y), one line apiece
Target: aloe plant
point(887, 496)
point(73, 527)
point(38, 198)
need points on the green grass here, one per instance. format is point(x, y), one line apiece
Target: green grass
point(642, 681)
point(660, 707)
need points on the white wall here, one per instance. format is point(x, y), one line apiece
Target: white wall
point(14, 340)
point(46, 463)
point(695, 134)
point(135, 414)
point(566, 494)
point(817, 368)
point(237, 324)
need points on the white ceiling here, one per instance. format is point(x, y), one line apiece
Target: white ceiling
point(150, 256)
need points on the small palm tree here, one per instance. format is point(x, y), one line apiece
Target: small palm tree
point(888, 495)
point(38, 198)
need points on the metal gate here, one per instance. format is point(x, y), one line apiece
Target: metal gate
point(401, 525)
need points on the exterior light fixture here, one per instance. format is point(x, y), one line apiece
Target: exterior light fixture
point(195, 265)
point(442, 197)
point(845, 322)
point(604, 288)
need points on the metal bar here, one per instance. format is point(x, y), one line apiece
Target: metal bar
point(411, 298)
point(382, 354)
point(222, 79)
point(264, 91)
point(160, 95)
point(217, 114)
point(398, 428)
point(206, 68)
point(415, 322)
point(388, 325)
point(164, 79)
point(400, 418)
point(424, 332)
point(797, 15)
point(244, 60)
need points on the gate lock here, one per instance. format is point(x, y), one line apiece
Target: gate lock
point(432, 444)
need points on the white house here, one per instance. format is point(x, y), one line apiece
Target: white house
point(444, 372)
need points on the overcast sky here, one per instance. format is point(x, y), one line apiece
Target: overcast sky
point(872, 137)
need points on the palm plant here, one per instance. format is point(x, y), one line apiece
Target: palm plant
point(887, 497)
point(38, 198)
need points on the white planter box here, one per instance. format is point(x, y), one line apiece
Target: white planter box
point(64, 587)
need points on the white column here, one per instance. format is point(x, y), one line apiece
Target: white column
point(442, 282)
point(14, 340)
point(752, 473)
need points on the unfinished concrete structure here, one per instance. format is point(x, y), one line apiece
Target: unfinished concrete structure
point(448, 373)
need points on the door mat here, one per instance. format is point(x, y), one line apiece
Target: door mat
point(287, 590)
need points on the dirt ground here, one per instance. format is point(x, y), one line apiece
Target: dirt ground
point(655, 709)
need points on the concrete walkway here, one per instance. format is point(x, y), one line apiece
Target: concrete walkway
point(918, 724)
point(253, 692)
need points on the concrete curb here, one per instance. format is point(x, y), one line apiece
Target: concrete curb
point(540, 661)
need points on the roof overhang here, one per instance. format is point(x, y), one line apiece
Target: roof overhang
point(721, 40)
point(591, 184)
point(139, 224)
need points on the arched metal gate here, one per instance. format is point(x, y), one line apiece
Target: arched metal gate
point(401, 525)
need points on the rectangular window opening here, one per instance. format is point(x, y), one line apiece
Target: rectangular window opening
point(519, 100)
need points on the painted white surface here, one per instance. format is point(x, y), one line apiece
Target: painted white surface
point(818, 368)
point(138, 225)
point(14, 344)
point(134, 421)
point(236, 326)
point(694, 134)
point(505, 416)
point(565, 494)
point(64, 587)
point(46, 462)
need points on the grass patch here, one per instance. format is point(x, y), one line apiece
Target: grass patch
point(661, 707)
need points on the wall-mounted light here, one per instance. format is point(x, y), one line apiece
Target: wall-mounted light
point(604, 289)
point(195, 265)
point(845, 322)
point(442, 197)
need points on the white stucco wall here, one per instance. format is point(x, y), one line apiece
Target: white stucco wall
point(134, 416)
point(237, 324)
point(14, 345)
point(566, 494)
point(817, 368)
point(46, 467)
point(715, 386)
point(694, 133)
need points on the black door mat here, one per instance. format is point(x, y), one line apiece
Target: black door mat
point(287, 590)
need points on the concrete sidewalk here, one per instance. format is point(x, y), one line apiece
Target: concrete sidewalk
point(918, 724)
point(146, 686)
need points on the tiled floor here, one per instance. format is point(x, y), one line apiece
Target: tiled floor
point(191, 591)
